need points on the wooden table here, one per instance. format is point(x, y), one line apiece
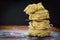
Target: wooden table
point(30, 38)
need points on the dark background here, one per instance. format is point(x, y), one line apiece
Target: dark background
point(12, 11)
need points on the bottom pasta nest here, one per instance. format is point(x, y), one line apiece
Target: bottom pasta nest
point(39, 33)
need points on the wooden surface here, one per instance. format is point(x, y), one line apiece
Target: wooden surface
point(14, 26)
point(30, 38)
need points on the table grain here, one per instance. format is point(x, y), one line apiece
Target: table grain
point(28, 37)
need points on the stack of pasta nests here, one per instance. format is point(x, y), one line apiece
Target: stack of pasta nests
point(39, 26)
